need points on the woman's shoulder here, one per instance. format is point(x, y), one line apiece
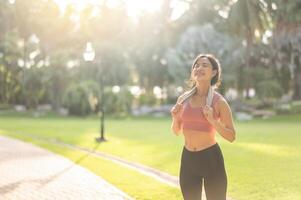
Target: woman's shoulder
point(221, 102)
point(183, 96)
point(218, 97)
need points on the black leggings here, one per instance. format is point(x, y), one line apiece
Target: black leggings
point(207, 165)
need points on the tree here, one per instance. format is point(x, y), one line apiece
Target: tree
point(248, 19)
point(204, 39)
point(9, 53)
point(286, 41)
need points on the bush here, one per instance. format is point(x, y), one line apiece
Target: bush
point(5, 106)
point(147, 99)
point(268, 89)
point(118, 103)
point(283, 109)
point(78, 98)
point(289, 108)
point(296, 107)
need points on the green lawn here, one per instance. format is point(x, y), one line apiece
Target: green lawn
point(263, 163)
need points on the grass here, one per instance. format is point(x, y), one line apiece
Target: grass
point(263, 163)
point(125, 179)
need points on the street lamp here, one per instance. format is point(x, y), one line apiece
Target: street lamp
point(89, 56)
point(89, 53)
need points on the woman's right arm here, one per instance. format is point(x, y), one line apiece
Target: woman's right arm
point(176, 124)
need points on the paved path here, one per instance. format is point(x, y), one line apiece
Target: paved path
point(30, 172)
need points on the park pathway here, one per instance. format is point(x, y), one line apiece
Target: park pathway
point(30, 172)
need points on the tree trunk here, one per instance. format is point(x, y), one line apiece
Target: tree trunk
point(248, 56)
point(2, 80)
point(24, 99)
point(297, 79)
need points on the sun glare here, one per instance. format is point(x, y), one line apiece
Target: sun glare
point(134, 7)
point(78, 4)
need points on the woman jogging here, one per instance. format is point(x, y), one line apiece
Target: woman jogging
point(199, 113)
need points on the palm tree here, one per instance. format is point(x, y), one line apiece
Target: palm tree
point(286, 39)
point(249, 20)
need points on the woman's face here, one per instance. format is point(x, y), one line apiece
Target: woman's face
point(202, 70)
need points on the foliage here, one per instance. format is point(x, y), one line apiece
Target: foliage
point(80, 98)
point(118, 103)
point(41, 48)
point(204, 39)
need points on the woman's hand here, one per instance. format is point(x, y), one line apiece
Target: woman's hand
point(176, 111)
point(208, 113)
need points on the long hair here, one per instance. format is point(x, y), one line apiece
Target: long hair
point(215, 81)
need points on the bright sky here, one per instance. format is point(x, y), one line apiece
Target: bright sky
point(134, 7)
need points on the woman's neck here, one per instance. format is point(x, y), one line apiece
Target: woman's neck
point(202, 89)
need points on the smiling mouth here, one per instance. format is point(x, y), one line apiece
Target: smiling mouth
point(200, 74)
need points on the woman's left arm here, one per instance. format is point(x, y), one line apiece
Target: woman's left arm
point(225, 127)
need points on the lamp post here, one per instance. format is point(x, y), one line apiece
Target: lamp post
point(89, 56)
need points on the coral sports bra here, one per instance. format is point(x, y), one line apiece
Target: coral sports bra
point(192, 118)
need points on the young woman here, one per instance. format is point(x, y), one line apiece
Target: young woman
point(198, 114)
